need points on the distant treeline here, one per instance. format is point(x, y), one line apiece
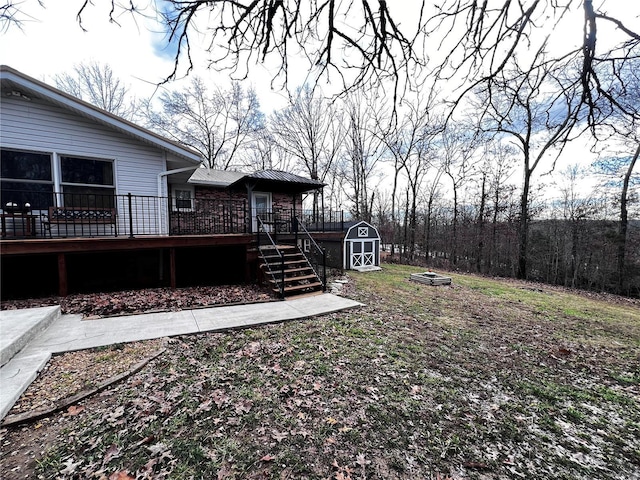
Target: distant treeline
point(580, 253)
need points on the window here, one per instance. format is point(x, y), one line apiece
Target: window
point(363, 231)
point(87, 182)
point(26, 178)
point(182, 199)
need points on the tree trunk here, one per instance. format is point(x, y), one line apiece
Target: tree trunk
point(523, 233)
point(622, 233)
point(480, 247)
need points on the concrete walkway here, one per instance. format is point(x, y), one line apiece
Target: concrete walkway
point(29, 337)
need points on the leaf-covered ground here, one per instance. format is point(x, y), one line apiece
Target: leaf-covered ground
point(484, 380)
point(131, 302)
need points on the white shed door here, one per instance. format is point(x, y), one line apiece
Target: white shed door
point(362, 254)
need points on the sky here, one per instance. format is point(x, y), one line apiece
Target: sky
point(50, 41)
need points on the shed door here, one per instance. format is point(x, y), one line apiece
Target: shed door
point(362, 253)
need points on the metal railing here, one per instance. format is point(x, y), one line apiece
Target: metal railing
point(41, 214)
point(263, 230)
point(317, 253)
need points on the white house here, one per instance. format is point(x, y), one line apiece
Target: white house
point(55, 144)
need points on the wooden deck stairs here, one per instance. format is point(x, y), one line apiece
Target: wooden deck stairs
point(299, 275)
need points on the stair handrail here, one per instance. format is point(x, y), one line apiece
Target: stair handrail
point(320, 250)
point(280, 254)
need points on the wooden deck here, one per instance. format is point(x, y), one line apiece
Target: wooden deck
point(20, 255)
point(98, 244)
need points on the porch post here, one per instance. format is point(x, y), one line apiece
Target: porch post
point(63, 286)
point(322, 195)
point(172, 267)
point(249, 193)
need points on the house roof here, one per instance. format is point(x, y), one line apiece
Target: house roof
point(281, 176)
point(277, 179)
point(17, 83)
point(215, 178)
point(266, 179)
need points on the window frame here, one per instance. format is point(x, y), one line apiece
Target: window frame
point(57, 196)
point(110, 189)
point(175, 199)
point(51, 182)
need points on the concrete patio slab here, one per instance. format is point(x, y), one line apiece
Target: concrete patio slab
point(70, 332)
point(19, 327)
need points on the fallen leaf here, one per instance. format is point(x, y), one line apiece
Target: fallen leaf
point(74, 410)
point(112, 452)
point(70, 466)
point(243, 407)
point(122, 475)
point(267, 458)
point(279, 436)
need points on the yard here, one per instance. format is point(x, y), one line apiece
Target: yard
point(483, 379)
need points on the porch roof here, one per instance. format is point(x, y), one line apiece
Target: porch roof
point(269, 180)
point(277, 180)
point(215, 178)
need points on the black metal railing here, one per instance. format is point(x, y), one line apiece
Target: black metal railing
point(28, 215)
point(273, 250)
point(315, 255)
point(207, 217)
point(282, 220)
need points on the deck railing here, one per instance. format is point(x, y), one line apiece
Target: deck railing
point(65, 215)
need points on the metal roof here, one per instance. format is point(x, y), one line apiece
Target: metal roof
point(266, 178)
point(215, 178)
point(281, 176)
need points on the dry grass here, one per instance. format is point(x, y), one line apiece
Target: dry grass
point(485, 379)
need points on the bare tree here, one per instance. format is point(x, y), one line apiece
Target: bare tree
point(625, 130)
point(481, 38)
point(220, 124)
point(11, 15)
point(458, 145)
point(311, 131)
point(501, 169)
point(97, 84)
point(406, 139)
point(576, 209)
point(354, 42)
point(518, 107)
point(362, 153)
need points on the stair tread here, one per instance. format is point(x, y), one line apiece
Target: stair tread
point(299, 287)
point(285, 255)
point(287, 262)
point(292, 270)
point(295, 279)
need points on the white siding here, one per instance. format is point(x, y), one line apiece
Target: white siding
point(40, 126)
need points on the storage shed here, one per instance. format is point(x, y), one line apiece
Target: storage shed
point(362, 247)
